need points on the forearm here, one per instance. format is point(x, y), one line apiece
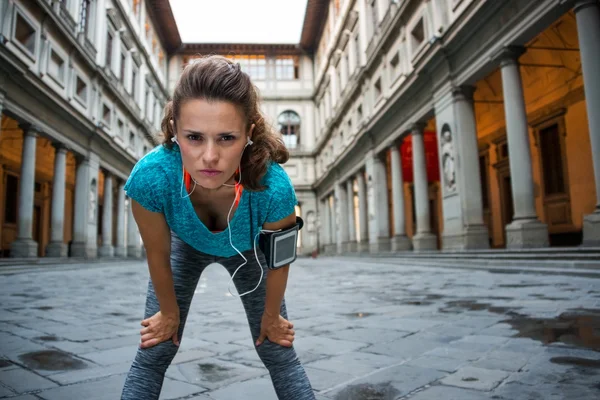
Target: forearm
point(276, 285)
point(162, 280)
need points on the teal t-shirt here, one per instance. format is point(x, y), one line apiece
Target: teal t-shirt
point(155, 183)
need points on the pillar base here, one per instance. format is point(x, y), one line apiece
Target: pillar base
point(24, 248)
point(106, 251)
point(363, 247)
point(134, 252)
point(591, 229)
point(352, 247)
point(401, 243)
point(526, 233)
point(82, 249)
point(382, 244)
point(472, 238)
point(120, 251)
point(425, 242)
point(56, 249)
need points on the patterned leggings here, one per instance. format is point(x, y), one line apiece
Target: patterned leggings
point(145, 378)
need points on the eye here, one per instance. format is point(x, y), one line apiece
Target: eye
point(227, 138)
point(193, 137)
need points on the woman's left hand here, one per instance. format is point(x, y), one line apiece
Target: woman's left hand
point(277, 329)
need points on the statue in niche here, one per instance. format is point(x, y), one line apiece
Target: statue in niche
point(93, 197)
point(448, 163)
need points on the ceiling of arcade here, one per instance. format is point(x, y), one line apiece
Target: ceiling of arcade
point(550, 69)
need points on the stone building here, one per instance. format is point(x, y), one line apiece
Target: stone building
point(456, 124)
point(82, 87)
point(412, 125)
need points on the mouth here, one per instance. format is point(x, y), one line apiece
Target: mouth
point(210, 172)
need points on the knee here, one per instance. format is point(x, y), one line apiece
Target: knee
point(274, 355)
point(156, 357)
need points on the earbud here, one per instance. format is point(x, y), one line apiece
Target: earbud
point(174, 140)
point(250, 141)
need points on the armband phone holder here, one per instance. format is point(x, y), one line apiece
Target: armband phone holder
point(279, 247)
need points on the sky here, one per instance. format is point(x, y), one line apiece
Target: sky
point(239, 21)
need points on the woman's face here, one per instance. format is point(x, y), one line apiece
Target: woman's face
point(211, 138)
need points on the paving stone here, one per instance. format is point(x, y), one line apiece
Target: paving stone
point(112, 356)
point(390, 382)
point(103, 389)
point(25, 397)
point(355, 363)
point(449, 393)
point(68, 378)
point(458, 354)
point(552, 391)
point(261, 388)
point(5, 392)
point(367, 336)
point(323, 380)
point(20, 380)
point(438, 363)
point(324, 345)
point(212, 373)
point(475, 378)
point(404, 349)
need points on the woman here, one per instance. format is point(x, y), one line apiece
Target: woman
point(202, 197)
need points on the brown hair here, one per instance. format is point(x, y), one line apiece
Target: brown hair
point(218, 78)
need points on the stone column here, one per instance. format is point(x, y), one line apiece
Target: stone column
point(400, 241)
point(587, 14)
point(107, 249)
point(86, 200)
point(424, 240)
point(475, 233)
point(526, 230)
point(120, 250)
point(333, 223)
point(341, 210)
point(377, 204)
point(1, 107)
point(326, 224)
point(133, 237)
point(352, 246)
point(363, 216)
point(57, 246)
point(24, 245)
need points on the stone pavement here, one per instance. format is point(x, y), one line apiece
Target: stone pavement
point(364, 331)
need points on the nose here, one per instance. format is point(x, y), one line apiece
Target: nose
point(211, 154)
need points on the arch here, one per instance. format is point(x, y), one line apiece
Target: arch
point(288, 124)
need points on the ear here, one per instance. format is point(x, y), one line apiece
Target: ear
point(172, 123)
point(251, 130)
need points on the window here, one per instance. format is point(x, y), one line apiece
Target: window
point(417, 35)
point(377, 88)
point(338, 77)
point(289, 126)
point(56, 66)
point(85, 17)
point(106, 115)
point(134, 78)
point(25, 34)
point(12, 190)
point(552, 162)
point(120, 128)
point(395, 65)
point(136, 7)
point(131, 139)
point(287, 68)
point(81, 90)
point(123, 61)
point(374, 16)
point(253, 65)
point(109, 48)
point(359, 114)
point(356, 51)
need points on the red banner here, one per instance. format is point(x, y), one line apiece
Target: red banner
point(431, 157)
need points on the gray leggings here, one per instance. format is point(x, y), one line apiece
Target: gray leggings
point(145, 378)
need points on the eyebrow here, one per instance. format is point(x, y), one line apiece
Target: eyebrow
point(200, 133)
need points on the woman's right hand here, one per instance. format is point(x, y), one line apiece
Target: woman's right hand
point(159, 328)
